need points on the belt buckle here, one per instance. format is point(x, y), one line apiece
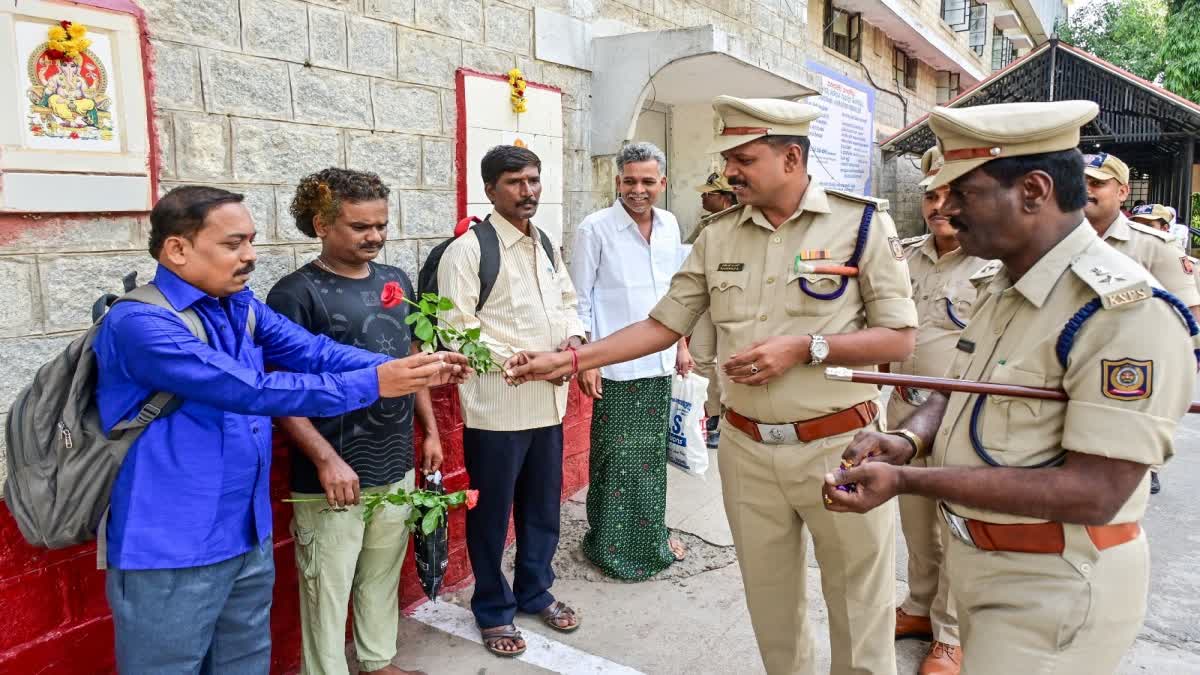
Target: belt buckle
point(913, 395)
point(778, 434)
point(957, 526)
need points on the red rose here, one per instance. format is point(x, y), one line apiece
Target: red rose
point(392, 295)
point(472, 498)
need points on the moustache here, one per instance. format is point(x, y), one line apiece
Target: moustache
point(957, 223)
point(370, 247)
point(247, 270)
point(527, 202)
point(737, 182)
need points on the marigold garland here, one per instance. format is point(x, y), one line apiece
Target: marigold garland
point(516, 84)
point(66, 41)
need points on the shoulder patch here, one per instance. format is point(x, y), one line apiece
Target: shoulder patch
point(879, 204)
point(1146, 229)
point(710, 219)
point(1115, 278)
point(1127, 379)
point(914, 241)
point(1189, 264)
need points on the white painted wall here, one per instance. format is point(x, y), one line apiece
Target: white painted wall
point(688, 165)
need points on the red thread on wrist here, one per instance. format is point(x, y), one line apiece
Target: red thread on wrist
point(574, 360)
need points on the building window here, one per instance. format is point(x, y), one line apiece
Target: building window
point(1003, 52)
point(957, 14)
point(843, 31)
point(905, 68)
point(1139, 190)
point(948, 87)
point(977, 27)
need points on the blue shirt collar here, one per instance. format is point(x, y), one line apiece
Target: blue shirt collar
point(180, 293)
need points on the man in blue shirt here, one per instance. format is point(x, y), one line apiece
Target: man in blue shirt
point(189, 531)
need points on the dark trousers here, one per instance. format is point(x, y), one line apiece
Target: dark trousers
point(518, 472)
point(214, 619)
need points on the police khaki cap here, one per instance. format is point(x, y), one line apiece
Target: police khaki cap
point(1153, 212)
point(931, 164)
point(971, 137)
point(746, 119)
point(716, 183)
point(1103, 166)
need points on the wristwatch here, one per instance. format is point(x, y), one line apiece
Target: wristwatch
point(914, 440)
point(818, 350)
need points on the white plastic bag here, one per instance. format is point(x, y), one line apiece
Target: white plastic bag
point(685, 436)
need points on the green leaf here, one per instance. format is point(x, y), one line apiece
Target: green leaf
point(445, 304)
point(412, 318)
point(431, 520)
point(474, 333)
point(456, 498)
point(424, 330)
point(428, 347)
point(430, 297)
point(429, 308)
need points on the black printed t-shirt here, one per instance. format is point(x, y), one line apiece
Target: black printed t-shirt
point(376, 441)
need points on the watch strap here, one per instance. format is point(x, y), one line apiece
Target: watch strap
point(914, 440)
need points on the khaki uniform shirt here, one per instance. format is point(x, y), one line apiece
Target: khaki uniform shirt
point(1128, 386)
point(945, 298)
point(1156, 251)
point(742, 271)
point(532, 307)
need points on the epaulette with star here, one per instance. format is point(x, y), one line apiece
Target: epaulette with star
point(1116, 279)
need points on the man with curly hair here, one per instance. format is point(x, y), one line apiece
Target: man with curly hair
point(364, 451)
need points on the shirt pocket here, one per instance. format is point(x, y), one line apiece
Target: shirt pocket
point(1004, 422)
point(728, 297)
point(954, 306)
point(811, 294)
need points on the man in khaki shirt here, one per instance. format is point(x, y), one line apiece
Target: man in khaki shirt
point(512, 443)
point(1047, 563)
point(1152, 248)
point(796, 278)
point(945, 296)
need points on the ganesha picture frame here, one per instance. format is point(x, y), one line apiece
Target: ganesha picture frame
point(74, 122)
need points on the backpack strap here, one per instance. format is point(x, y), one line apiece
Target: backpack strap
point(489, 260)
point(548, 247)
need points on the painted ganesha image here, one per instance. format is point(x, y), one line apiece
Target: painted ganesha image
point(67, 94)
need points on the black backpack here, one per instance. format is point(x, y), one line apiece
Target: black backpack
point(489, 260)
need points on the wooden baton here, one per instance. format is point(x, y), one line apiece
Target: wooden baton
point(945, 384)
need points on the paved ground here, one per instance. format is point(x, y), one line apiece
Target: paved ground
point(692, 619)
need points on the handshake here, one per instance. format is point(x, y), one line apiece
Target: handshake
point(555, 367)
point(401, 377)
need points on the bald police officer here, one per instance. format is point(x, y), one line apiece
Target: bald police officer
point(772, 274)
point(716, 195)
point(1047, 562)
point(943, 291)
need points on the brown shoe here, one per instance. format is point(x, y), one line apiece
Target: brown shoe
point(942, 659)
point(909, 627)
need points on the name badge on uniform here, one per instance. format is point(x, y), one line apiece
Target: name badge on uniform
point(731, 267)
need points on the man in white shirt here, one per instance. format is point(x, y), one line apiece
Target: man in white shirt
point(624, 258)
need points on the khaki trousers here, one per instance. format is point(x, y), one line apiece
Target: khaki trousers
point(1049, 614)
point(339, 557)
point(772, 493)
point(925, 536)
point(703, 346)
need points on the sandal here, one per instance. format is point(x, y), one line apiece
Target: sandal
point(558, 611)
point(493, 636)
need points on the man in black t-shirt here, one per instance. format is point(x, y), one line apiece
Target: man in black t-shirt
point(369, 450)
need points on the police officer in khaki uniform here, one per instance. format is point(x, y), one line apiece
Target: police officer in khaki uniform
point(796, 278)
point(716, 196)
point(945, 296)
point(1046, 559)
point(1152, 248)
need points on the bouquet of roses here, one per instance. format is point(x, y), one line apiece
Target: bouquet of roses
point(427, 329)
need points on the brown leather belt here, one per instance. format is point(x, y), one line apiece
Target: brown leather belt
point(810, 430)
point(1035, 537)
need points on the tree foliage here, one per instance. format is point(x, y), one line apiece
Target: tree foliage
point(1127, 33)
point(1181, 49)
